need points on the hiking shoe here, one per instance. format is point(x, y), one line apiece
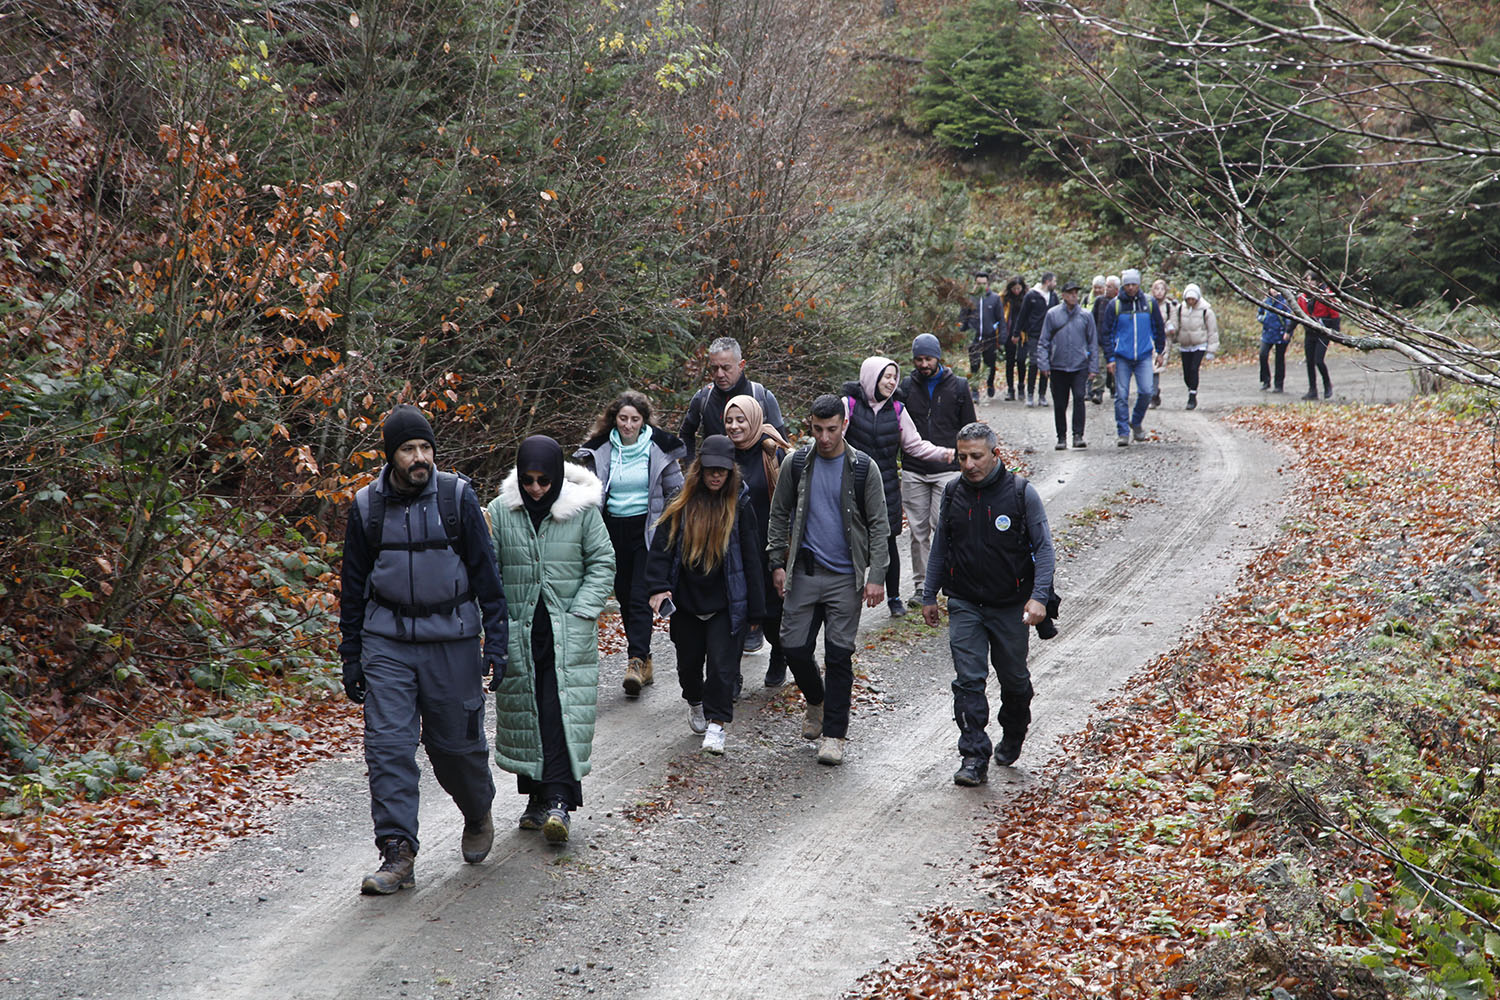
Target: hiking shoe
point(1010, 395)
point(974, 771)
point(1123, 441)
point(535, 814)
point(555, 829)
point(1192, 403)
point(713, 740)
point(634, 677)
point(1138, 432)
point(646, 672)
point(898, 608)
point(696, 722)
point(1009, 750)
point(1062, 445)
point(1278, 389)
point(776, 669)
point(1265, 387)
point(1328, 392)
point(990, 390)
point(831, 751)
point(397, 861)
point(1079, 442)
point(479, 836)
point(1155, 400)
point(812, 722)
point(1311, 394)
point(754, 639)
point(1030, 400)
point(1097, 398)
point(739, 684)
point(1041, 399)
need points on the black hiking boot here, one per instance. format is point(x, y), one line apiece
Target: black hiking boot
point(396, 869)
point(478, 838)
point(776, 669)
point(555, 829)
point(974, 771)
point(535, 814)
point(1009, 750)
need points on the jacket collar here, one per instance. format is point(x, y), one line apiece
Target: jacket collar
point(581, 490)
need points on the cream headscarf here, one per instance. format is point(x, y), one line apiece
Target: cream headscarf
point(770, 439)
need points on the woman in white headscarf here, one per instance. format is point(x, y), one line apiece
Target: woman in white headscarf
point(1194, 328)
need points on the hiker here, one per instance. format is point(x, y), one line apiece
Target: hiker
point(637, 463)
point(726, 371)
point(705, 570)
point(758, 451)
point(1194, 328)
point(1132, 338)
point(993, 557)
point(419, 584)
point(554, 549)
point(1069, 352)
point(827, 543)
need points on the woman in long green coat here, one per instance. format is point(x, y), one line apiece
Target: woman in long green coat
point(558, 565)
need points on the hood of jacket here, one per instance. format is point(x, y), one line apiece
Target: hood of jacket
point(665, 440)
point(581, 490)
point(869, 379)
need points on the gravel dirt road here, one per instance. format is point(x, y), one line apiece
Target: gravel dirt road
point(759, 874)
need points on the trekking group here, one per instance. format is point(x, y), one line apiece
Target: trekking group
point(739, 540)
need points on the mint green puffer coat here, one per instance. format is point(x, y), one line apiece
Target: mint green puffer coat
point(569, 563)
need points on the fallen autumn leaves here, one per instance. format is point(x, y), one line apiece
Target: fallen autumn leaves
point(1201, 837)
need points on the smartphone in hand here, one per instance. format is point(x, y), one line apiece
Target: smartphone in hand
point(666, 608)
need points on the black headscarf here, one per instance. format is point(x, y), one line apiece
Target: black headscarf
point(540, 454)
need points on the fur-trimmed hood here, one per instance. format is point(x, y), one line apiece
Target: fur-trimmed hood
point(581, 490)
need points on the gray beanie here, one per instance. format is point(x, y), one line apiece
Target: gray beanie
point(1130, 276)
point(926, 346)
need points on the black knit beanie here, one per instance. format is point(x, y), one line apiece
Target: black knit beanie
point(406, 423)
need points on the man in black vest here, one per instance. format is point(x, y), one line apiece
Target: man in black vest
point(726, 371)
point(419, 580)
point(993, 557)
point(939, 403)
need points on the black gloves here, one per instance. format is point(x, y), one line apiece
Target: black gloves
point(354, 681)
point(495, 664)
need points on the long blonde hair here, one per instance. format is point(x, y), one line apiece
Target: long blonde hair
point(702, 521)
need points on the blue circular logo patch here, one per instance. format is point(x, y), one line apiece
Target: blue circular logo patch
point(1002, 523)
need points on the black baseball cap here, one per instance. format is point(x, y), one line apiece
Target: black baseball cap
point(716, 452)
point(1072, 286)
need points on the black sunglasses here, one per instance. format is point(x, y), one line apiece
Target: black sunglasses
point(542, 481)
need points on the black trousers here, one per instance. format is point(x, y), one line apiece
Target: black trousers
point(1064, 384)
point(1279, 347)
point(1035, 379)
point(893, 573)
point(628, 537)
point(1191, 362)
point(1010, 367)
point(558, 786)
point(981, 356)
point(708, 661)
point(1316, 346)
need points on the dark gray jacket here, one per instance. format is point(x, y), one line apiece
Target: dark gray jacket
point(1070, 341)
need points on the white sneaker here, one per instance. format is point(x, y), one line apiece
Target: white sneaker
point(812, 722)
point(696, 722)
point(831, 751)
point(713, 740)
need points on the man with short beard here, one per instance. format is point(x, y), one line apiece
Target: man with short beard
point(727, 379)
point(418, 568)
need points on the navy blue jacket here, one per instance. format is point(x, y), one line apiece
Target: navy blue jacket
point(1132, 329)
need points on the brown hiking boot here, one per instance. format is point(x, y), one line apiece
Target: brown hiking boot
point(647, 672)
point(634, 679)
point(478, 838)
point(396, 869)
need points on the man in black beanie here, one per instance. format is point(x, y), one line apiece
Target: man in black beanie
point(419, 580)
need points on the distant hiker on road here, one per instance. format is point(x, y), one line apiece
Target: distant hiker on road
point(1194, 328)
point(758, 451)
point(1316, 302)
point(1161, 297)
point(983, 319)
point(1069, 352)
point(827, 544)
point(637, 463)
point(882, 427)
point(1015, 295)
point(1132, 338)
point(1275, 333)
point(1104, 379)
point(706, 561)
point(419, 582)
point(939, 404)
point(1033, 311)
point(993, 557)
point(726, 370)
point(555, 551)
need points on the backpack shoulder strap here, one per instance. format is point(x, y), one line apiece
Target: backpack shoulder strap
point(370, 503)
point(758, 391)
point(450, 486)
point(1020, 484)
point(799, 460)
point(861, 472)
